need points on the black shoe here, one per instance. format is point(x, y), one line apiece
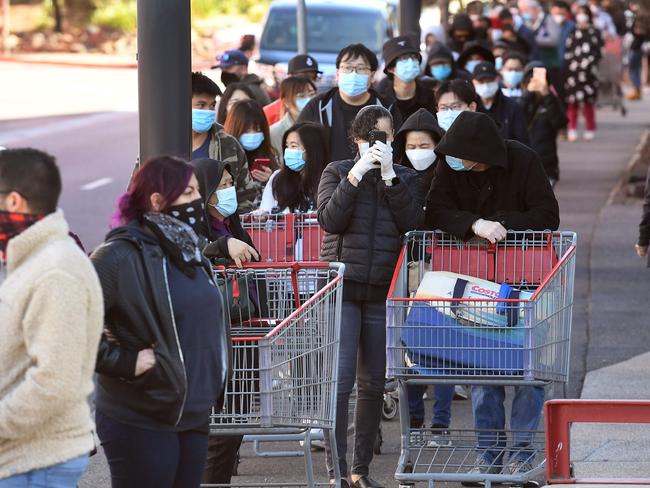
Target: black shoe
point(367, 482)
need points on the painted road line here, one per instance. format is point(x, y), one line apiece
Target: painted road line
point(97, 184)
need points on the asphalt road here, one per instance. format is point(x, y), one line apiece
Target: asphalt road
point(87, 119)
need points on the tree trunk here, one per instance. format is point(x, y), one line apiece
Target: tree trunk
point(78, 12)
point(58, 20)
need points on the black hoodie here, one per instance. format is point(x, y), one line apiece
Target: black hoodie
point(422, 120)
point(514, 191)
point(461, 22)
point(439, 51)
point(209, 172)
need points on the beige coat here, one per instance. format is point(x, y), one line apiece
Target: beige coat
point(51, 316)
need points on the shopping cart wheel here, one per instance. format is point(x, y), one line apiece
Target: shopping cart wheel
point(389, 410)
point(379, 440)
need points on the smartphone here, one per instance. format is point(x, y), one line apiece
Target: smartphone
point(376, 135)
point(260, 164)
point(539, 74)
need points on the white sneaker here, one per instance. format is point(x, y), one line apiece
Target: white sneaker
point(572, 135)
point(441, 438)
point(589, 135)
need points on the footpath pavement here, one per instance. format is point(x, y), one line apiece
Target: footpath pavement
point(611, 337)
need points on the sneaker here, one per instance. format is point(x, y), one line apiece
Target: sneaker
point(572, 135)
point(481, 467)
point(633, 95)
point(517, 466)
point(589, 135)
point(461, 392)
point(440, 438)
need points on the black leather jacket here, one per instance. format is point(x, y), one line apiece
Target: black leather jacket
point(132, 269)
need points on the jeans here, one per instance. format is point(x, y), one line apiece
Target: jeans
point(589, 112)
point(442, 398)
point(64, 475)
point(140, 458)
point(490, 421)
point(362, 357)
point(636, 58)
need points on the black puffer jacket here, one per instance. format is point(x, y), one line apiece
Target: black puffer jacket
point(138, 313)
point(364, 225)
point(513, 191)
point(545, 116)
point(509, 117)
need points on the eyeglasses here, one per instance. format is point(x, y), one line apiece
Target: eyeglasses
point(453, 106)
point(347, 69)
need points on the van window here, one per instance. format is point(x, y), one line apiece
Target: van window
point(328, 31)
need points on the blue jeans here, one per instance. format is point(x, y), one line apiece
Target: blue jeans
point(362, 357)
point(442, 398)
point(152, 458)
point(636, 57)
point(64, 475)
point(490, 421)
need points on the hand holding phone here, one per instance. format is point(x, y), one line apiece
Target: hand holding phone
point(260, 164)
point(538, 81)
point(374, 136)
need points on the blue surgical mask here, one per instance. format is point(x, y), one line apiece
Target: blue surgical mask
point(251, 140)
point(487, 90)
point(407, 70)
point(498, 63)
point(302, 102)
point(446, 118)
point(456, 164)
point(441, 71)
point(353, 84)
point(513, 78)
point(470, 65)
point(226, 201)
point(293, 159)
point(203, 120)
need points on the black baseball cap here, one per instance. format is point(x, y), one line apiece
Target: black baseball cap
point(484, 70)
point(302, 63)
point(234, 57)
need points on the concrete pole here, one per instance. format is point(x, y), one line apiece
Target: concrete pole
point(409, 19)
point(6, 26)
point(301, 26)
point(164, 78)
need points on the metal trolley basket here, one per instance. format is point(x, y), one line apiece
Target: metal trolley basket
point(519, 336)
point(285, 342)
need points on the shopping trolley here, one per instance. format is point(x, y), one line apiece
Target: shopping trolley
point(285, 335)
point(499, 340)
point(285, 237)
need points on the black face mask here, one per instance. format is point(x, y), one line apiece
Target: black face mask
point(189, 213)
point(228, 78)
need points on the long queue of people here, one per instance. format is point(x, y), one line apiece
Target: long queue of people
point(461, 139)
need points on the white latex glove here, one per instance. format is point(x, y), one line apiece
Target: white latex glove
point(492, 231)
point(383, 153)
point(363, 165)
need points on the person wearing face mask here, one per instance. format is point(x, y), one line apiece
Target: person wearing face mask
point(210, 140)
point(365, 205)
point(302, 65)
point(582, 56)
point(561, 13)
point(247, 123)
point(294, 187)
point(524, 35)
point(336, 109)
point(545, 29)
point(163, 359)
point(234, 69)
point(503, 110)
point(453, 98)
point(51, 319)
point(484, 189)
point(474, 53)
point(460, 33)
point(402, 83)
point(295, 93)
point(546, 118)
point(512, 74)
point(442, 67)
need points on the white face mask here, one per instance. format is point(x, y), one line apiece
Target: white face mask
point(421, 159)
point(487, 90)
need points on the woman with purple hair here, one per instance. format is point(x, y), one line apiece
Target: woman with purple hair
point(163, 358)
